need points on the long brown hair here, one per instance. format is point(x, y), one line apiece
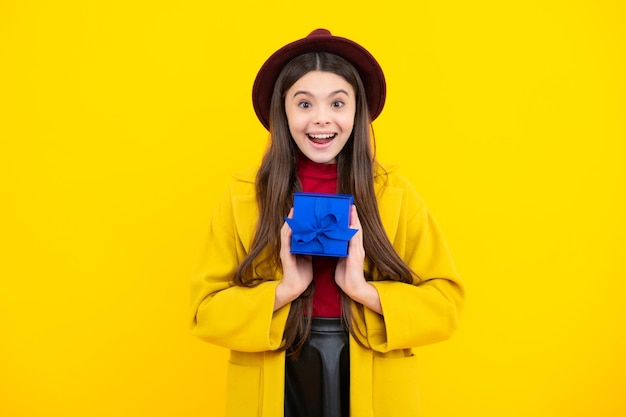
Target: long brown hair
point(276, 181)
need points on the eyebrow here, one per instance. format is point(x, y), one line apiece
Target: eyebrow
point(307, 93)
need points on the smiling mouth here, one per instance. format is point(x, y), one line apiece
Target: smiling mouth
point(321, 138)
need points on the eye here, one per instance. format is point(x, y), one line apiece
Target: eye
point(304, 105)
point(338, 104)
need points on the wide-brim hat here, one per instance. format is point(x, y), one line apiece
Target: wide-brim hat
point(320, 40)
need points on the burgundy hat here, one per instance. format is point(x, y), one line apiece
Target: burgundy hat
point(320, 40)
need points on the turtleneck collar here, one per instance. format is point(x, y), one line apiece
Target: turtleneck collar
point(311, 169)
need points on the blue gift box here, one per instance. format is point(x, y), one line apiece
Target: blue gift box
point(320, 224)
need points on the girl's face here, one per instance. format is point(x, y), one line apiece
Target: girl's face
point(320, 110)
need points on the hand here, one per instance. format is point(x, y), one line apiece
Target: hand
point(349, 274)
point(297, 270)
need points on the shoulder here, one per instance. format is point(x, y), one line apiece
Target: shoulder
point(241, 192)
point(244, 181)
point(389, 179)
point(239, 201)
point(247, 175)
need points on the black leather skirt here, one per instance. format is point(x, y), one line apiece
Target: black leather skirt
point(317, 384)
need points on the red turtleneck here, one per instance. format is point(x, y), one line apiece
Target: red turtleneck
point(322, 178)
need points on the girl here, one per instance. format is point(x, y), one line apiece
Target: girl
point(314, 336)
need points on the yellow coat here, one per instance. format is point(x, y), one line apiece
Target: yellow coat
point(383, 376)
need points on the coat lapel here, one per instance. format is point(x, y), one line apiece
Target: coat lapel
point(389, 206)
point(246, 213)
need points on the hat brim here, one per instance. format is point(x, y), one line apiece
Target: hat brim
point(368, 68)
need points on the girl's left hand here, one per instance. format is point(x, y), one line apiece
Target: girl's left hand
point(349, 274)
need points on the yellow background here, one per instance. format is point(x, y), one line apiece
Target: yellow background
point(119, 124)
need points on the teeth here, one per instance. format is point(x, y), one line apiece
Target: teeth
point(322, 136)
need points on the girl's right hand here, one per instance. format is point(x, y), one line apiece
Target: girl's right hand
point(297, 270)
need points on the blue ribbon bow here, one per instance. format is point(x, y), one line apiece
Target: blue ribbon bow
point(317, 231)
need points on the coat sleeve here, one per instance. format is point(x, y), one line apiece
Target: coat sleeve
point(238, 318)
point(428, 310)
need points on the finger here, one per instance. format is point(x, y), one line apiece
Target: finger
point(355, 245)
point(285, 232)
point(355, 223)
point(285, 235)
point(286, 226)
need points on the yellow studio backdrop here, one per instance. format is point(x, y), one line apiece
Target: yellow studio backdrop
point(120, 122)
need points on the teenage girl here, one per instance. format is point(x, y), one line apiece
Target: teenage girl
point(314, 336)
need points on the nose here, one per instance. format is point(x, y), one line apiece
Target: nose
point(322, 117)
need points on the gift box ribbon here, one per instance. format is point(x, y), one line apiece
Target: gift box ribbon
point(319, 229)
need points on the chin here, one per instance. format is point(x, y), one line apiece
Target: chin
point(319, 159)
